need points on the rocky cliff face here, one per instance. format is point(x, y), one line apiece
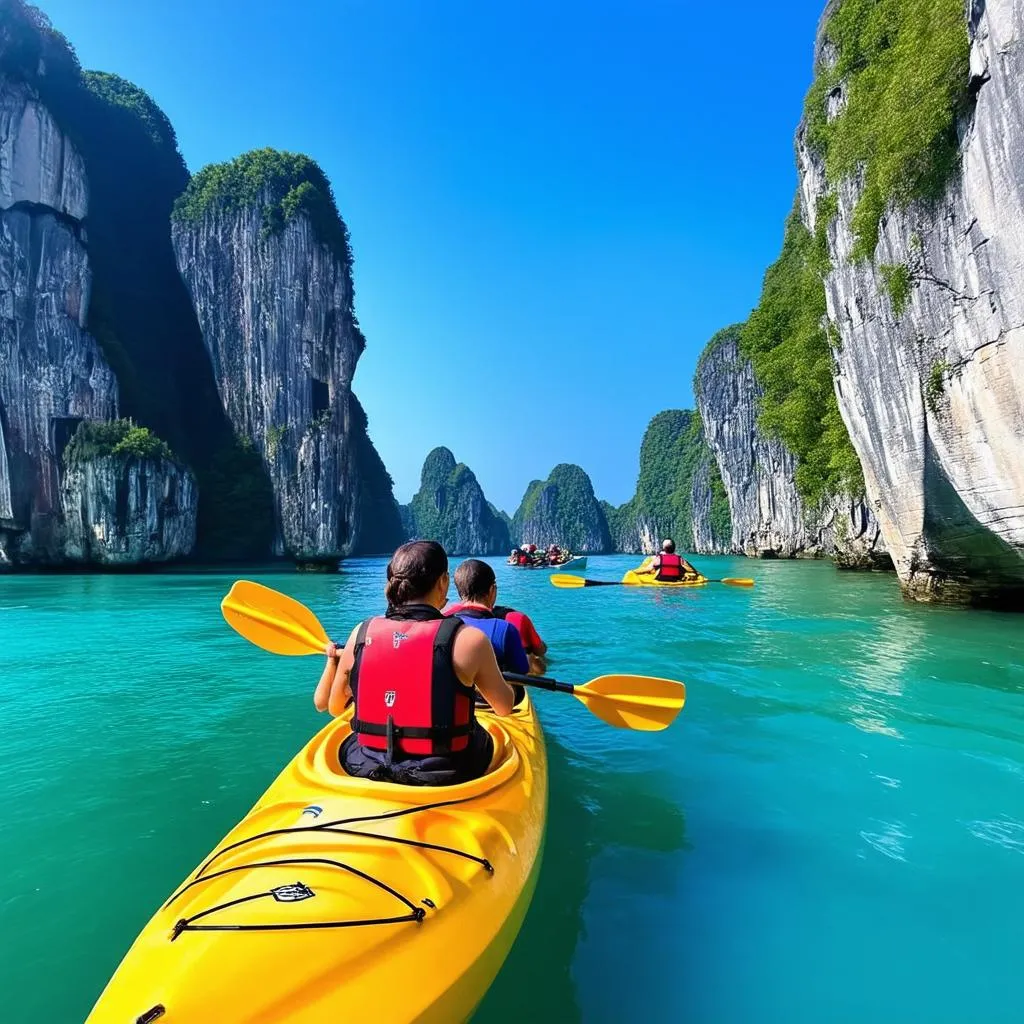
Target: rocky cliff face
point(122, 511)
point(562, 510)
point(769, 518)
point(275, 303)
point(679, 492)
point(53, 375)
point(931, 356)
point(450, 508)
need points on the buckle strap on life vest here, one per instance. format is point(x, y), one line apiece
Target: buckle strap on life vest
point(448, 720)
point(406, 732)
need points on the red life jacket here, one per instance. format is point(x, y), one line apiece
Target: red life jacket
point(670, 567)
point(405, 688)
point(516, 619)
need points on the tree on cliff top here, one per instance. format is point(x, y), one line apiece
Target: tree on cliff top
point(33, 51)
point(284, 184)
point(904, 70)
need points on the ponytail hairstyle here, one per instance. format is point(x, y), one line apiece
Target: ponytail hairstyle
point(413, 570)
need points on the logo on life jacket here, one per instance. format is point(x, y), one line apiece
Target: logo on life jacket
point(397, 638)
point(389, 696)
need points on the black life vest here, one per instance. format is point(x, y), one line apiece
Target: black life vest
point(670, 567)
point(407, 696)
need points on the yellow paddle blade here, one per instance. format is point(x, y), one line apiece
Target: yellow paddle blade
point(735, 582)
point(272, 620)
point(644, 703)
point(567, 581)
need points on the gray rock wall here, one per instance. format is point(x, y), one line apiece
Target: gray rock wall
point(933, 395)
point(769, 518)
point(127, 511)
point(276, 314)
point(52, 373)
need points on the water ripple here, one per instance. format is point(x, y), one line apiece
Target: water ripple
point(1006, 833)
point(889, 841)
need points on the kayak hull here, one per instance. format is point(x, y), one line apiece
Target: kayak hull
point(579, 562)
point(632, 579)
point(373, 857)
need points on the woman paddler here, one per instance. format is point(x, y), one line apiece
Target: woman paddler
point(412, 673)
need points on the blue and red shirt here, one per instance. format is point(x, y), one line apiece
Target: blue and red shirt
point(504, 637)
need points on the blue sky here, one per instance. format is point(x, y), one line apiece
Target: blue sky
point(553, 205)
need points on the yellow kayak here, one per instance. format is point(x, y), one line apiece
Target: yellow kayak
point(337, 898)
point(634, 580)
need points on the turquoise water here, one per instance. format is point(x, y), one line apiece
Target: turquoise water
point(832, 831)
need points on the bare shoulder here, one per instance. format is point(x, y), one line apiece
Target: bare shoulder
point(470, 642)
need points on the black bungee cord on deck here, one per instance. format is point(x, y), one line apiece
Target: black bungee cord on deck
point(299, 891)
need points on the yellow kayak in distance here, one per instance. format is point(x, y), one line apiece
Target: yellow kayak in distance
point(338, 897)
point(633, 579)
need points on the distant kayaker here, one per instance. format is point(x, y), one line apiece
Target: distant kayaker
point(668, 566)
point(478, 590)
point(412, 674)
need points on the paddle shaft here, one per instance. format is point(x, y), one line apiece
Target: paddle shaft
point(544, 682)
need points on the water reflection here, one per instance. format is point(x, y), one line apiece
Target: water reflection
point(590, 808)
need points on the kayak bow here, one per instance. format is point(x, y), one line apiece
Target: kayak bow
point(337, 896)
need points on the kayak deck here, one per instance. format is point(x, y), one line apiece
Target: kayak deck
point(633, 579)
point(337, 895)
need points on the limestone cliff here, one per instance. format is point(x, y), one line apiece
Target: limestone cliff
point(450, 508)
point(265, 256)
point(121, 511)
point(926, 295)
point(679, 492)
point(769, 516)
point(53, 373)
point(125, 499)
point(562, 510)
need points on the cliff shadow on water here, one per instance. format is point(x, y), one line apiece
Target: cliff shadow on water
point(591, 809)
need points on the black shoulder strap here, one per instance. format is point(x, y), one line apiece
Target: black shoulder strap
point(357, 655)
point(501, 611)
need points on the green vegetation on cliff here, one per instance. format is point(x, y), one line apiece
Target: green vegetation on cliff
point(96, 439)
point(904, 68)
point(238, 521)
point(786, 341)
point(286, 184)
point(450, 508)
point(562, 510)
point(720, 338)
point(674, 462)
